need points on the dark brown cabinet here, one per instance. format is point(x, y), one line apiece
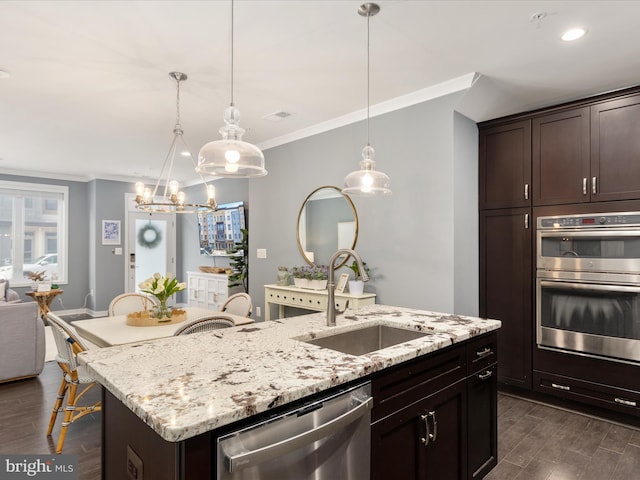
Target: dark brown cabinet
point(506, 277)
point(425, 440)
point(560, 157)
point(505, 165)
point(436, 418)
point(615, 149)
point(482, 391)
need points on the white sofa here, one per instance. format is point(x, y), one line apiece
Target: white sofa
point(22, 341)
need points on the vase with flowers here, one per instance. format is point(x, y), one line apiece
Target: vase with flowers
point(37, 278)
point(162, 288)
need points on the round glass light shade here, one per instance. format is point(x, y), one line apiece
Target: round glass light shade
point(367, 181)
point(231, 156)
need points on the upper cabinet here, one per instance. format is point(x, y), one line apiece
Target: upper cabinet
point(588, 151)
point(505, 165)
point(615, 149)
point(560, 154)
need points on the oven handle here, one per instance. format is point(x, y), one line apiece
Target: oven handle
point(589, 286)
point(589, 232)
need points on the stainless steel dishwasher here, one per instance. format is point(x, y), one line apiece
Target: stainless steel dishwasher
point(325, 439)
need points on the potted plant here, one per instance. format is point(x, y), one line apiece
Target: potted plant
point(239, 261)
point(284, 276)
point(313, 277)
point(356, 286)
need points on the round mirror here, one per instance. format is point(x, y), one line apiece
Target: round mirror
point(327, 222)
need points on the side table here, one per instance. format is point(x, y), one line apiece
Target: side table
point(44, 299)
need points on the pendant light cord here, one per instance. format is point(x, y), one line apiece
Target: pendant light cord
point(231, 53)
point(368, 78)
point(178, 79)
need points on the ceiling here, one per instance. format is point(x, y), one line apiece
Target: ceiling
point(89, 96)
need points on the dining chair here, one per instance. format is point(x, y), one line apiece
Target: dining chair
point(205, 324)
point(69, 345)
point(238, 304)
point(131, 302)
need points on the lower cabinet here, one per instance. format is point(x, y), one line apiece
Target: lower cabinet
point(207, 290)
point(436, 418)
point(425, 440)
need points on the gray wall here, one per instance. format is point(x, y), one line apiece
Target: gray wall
point(412, 239)
point(421, 242)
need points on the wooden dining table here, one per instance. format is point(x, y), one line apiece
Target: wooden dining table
point(109, 331)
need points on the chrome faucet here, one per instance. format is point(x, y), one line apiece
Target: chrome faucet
point(331, 302)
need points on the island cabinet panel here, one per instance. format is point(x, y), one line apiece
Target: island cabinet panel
point(125, 437)
point(436, 417)
point(505, 165)
point(506, 292)
point(425, 440)
point(560, 158)
point(615, 149)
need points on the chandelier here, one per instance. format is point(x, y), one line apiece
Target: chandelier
point(367, 181)
point(231, 156)
point(166, 196)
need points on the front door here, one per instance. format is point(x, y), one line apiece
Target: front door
point(151, 246)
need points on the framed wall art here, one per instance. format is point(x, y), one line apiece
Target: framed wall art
point(110, 232)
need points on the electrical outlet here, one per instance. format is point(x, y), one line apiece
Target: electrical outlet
point(134, 465)
point(261, 253)
point(258, 312)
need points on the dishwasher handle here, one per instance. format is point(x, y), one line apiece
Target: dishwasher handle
point(248, 459)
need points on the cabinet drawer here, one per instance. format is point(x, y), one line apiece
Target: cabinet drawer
point(621, 400)
point(301, 300)
point(416, 379)
point(482, 352)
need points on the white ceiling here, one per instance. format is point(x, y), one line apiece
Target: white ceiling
point(89, 94)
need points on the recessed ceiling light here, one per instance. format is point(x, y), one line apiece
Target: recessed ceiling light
point(573, 34)
point(4, 74)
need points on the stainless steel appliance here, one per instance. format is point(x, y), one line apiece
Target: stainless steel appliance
point(325, 439)
point(588, 284)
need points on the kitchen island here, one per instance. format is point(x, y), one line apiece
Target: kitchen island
point(177, 390)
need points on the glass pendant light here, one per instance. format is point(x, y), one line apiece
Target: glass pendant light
point(166, 196)
point(367, 181)
point(231, 156)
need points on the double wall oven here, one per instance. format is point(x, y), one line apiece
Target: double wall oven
point(588, 285)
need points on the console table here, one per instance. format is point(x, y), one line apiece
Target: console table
point(307, 299)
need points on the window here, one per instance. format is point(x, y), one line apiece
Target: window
point(33, 231)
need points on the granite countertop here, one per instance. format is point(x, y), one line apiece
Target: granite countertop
point(187, 385)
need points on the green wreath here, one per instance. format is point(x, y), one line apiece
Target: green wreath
point(149, 243)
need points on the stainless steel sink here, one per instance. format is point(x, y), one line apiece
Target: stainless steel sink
point(366, 340)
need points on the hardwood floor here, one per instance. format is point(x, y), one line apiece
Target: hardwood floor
point(541, 442)
point(535, 441)
point(25, 409)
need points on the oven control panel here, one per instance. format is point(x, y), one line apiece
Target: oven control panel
point(591, 221)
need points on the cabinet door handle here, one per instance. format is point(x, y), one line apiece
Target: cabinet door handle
point(526, 220)
point(427, 436)
point(594, 189)
point(434, 437)
point(584, 186)
point(485, 375)
point(484, 352)
point(560, 387)
point(628, 403)
point(526, 191)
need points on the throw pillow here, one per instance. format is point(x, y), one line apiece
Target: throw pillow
point(3, 285)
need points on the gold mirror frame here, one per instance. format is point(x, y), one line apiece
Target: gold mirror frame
point(300, 213)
